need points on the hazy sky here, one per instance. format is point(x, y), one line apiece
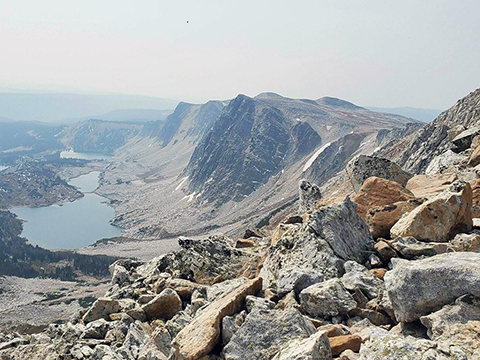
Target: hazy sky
point(423, 53)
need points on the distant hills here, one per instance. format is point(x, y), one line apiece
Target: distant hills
point(425, 115)
point(59, 107)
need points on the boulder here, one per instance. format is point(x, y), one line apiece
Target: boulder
point(328, 298)
point(476, 199)
point(362, 167)
point(376, 191)
point(253, 302)
point(101, 309)
point(199, 337)
point(266, 332)
point(380, 219)
point(445, 163)
point(164, 306)
point(411, 248)
point(466, 242)
point(95, 330)
point(429, 186)
point(417, 288)
point(474, 159)
point(461, 341)
point(344, 230)
point(465, 309)
point(297, 279)
point(315, 347)
point(463, 140)
point(309, 194)
point(384, 251)
point(341, 343)
point(358, 277)
point(440, 218)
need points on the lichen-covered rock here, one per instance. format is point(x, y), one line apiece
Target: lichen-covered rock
point(254, 302)
point(376, 191)
point(466, 242)
point(328, 298)
point(344, 230)
point(358, 277)
point(410, 247)
point(465, 309)
point(315, 347)
point(297, 279)
point(417, 288)
point(164, 306)
point(265, 332)
point(440, 218)
point(199, 337)
point(309, 194)
point(362, 167)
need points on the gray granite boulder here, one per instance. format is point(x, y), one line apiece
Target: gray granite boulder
point(420, 287)
point(315, 347)
point(309, 194)
point(358, 277)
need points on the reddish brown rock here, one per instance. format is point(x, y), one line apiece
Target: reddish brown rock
point(379, 192)
point(476, 199)
point(429, 186)
point(379, 273)
point(380, 219)
point(440, 218)
point(245, 243)
point(199, 337)
point(338, 344)
point(474, 157)
point(385, 252)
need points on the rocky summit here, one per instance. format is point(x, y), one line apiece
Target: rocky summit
point(381, 262)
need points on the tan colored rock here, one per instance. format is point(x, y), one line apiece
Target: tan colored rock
point(379, 273)
point(440, 218)
point(466, 242)
point(474, 157)
point(339, 344)
point(333, 330)
point(376, 191)
point(384, 251)
point(380, 219)
point(245, 243)
point(101, 309)
point(199, 337)
point(163, 306)
point(429, 186)
point(476, 199)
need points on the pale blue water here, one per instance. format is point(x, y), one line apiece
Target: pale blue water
point(70, 154)
point(70, 225)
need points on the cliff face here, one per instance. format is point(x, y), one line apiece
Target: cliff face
point(416, 152)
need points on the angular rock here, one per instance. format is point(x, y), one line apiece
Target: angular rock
point(199, 337)
point(344, 230)
point(446, 163)
point(474, 159)
point(463, 140)
point(362, 167)
point(376, 191)
point(379, 273)
point(466, 242)
point(245, 243)
point(476, 199)
point(101, 309)
point(417, 288)
point(410, 247)
point(265, 332)
point(341, 343)
point(440, 218)
point(465, 309)
point(163, 306)
point(329, 298)
point(253, 302)
point(375, 317)
point(297, 279)
point(385, 252)
point(229, 327)
point(429, 186)
point(309, 194)
point(95, 330)
point(315, 347)
point(381, 219)
point(358, 277)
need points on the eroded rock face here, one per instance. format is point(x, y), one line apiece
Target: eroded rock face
point(199, 337)
point(362, 167)
point(329, 298)
point(440, 218)
point(265, 332)
point(376, 191)
point(309, 194)
point(417, 288)
point(344, 230)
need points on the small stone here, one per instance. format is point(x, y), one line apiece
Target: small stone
point(339, 344)
point(379, 273)
point(245, 243)
point(385, 252)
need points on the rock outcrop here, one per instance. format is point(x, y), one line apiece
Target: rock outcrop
point(309, 194)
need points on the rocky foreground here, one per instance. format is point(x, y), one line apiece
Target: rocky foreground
point(319, 287)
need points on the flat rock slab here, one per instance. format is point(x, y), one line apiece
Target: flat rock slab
point(418, 288)
point(199, 337)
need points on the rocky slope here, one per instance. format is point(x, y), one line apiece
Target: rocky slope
point(228, 165)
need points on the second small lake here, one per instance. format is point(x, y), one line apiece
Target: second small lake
point(70, 225)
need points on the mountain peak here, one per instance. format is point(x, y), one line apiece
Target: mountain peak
point(269, 95)
point(331, 101)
